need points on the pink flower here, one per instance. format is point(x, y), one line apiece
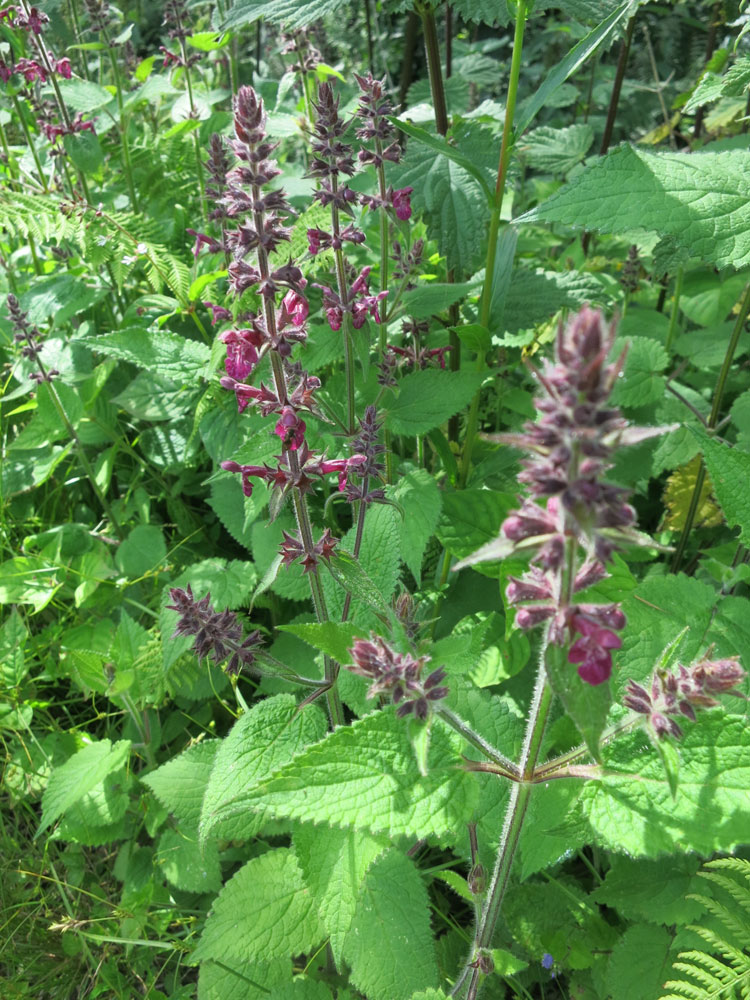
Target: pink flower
point(342, 466)
point(592, 650)
point(296, 306)
point(218, 313)
point(290, 429)
point(335, 317)
point(242, 356)
point(64, 68)
point(31, 70)
point(402, 203)
point(317, 239)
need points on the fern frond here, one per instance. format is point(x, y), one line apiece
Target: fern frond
point(722, 971)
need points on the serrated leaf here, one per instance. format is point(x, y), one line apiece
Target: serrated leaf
point(639, 963)
point(334, 864)
point(642, 384)
point(364, 776)
point(535, 295)
point(701, 199)
point(556, 150)
point(656, 891)
point(259, 743)
point(84, 95)
point(418, 495)
point(438, 144)
point(294, 13)
point(472, 518)
point(175, 358)
point(332, 638)
point(243, 980)
point(425, 300)
point(142, 551)
point(678, 496)
point(632, 809)
point(180, 784)
point(264, 912)
point(586, 704)
point(78, 776)
point(389, 947)
point(427, 398)
point(186, 864)
point(729, 469)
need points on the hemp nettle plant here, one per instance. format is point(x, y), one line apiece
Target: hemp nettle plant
point(389, 534)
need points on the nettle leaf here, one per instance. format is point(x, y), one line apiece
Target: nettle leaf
point(639, 963)
point(428, 398)
point(175, 358)
point(389, 947)
point(632, 808)
point(365, 776)
point(259, 743)
point(427, 299)
point(534, 295)
point(78, 776)
point(471, 519)
point(419, 496)
point(264, 912)
point(545, 839)
point(332, 638)
point(29, 580)
point(678, 498)
point(701, 199)
point(556, 150)
point(142, 551)
point(243, 980)
point(181, 783)
point(334, 864)
point(187, 865)
point(294, 13)
point(729, 469)
point(642, 384)
point(656, 891)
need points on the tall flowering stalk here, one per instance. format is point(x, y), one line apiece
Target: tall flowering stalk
point(274, 331)
point(570, 524)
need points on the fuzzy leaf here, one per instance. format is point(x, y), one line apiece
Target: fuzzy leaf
point(181, 783)
point(334, 864)
point(678, 496)
point(364, 776)
point(639, 963)
point(78, 776)
point(556, 150)
point(642, 384)
point(166, 354)
point(426, 399)
point(472, 518)
point(332, 638)
point(586, 704)
point(185, 864)
point(701, 199)
point(264, 912)
point(389, 947)
point(260, 742)
point(729, 469)
point(294, 13)
point(656, 891)
point(423, 301)
point(419, 496)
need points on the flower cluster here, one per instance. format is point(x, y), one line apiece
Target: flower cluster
point(569, 448)
point(32, 20)
point(28, 335)
point(415, 355)
point(217, 633)
point(297, 42)
point(357, 302)
point(679, 693)
point(374, 109)
point(293, 548)
point(367, 451)
point(398, 675)
point(99, 14)
point(298, 474)
point(32, 69)
point(54, 130)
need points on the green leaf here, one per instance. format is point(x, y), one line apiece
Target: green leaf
point(556, 150)
point(389, 947)
point(181, 783)
point(656, 891)
point(166, 354)
point(59, 297)
point(535, 295)
point(438, 144)
point(471, 518)
point(642, 385)
point(334, 864)
point(13, 636)
point(29, 580)
point(729, 469)
point(78, 776)
point(587, 704)
point(332, 638)
point(142, 551)
point(639, 963)
point(84, 95)
point(425, 300)
point(420, 498)
point(243, 981)
point(427, 398)
point(259, 743)
point(295, 13)
point(701, 199)
point(186, 864)
point(569, 64)
point(632, 808)
point(364, 776)
point(264, 912)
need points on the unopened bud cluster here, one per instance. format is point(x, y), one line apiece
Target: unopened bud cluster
point(398, 675)
point(28, 335)
point(677, 694)
point(216, 633)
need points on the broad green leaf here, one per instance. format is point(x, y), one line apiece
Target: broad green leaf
point(264, 912)
point(536, 295)
point(729, 469)
point(59, 297)
point(243, 980)
point(712, 86)
point(542, 842)
point(429, 995)
point(185, 863)
point(656, 891)
point(438, 144)
point(427, 398)
point(13, 636)
point(569, 64)
point(181, 783)
point(632, 809)
point(259, 743)
point(418, 495)
point(142, 551)
point(29, 580)
point(471, 518)
point(78, 776)
point(364, 776)
point(389, 947)
point(701, 199)
point(294, 13)
point(332, 638)
point(84, 95)
point(229, 582)
point(166, 354)
point(586, 704)
point(642, 383)
point(427, 299)
point(707, 300)
point(150, 397)
point(556, 150)
point(678, 497)
point(23, 469)
point(639, 963)
point(334, 864)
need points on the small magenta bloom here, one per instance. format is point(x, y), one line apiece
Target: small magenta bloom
point(592, 651)
point(64, 68)
point(31, 70)
point(290, 428)
point(402, 203)
point(296, 306)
